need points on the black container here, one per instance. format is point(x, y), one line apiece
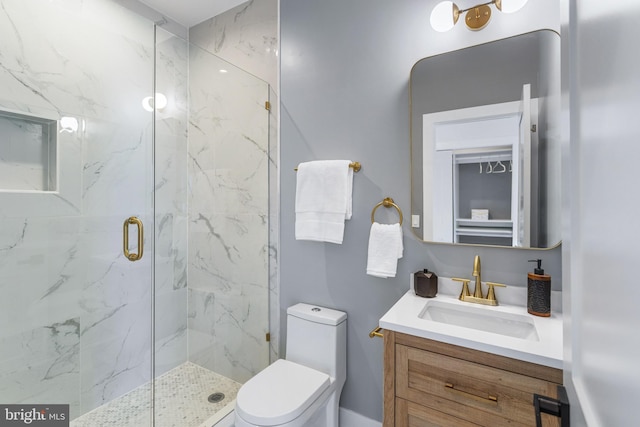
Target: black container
point(539, 292)
point(425, 283)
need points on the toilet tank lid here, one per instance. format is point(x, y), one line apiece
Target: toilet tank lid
point(315, 313)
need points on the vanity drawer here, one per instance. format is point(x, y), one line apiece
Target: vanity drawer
point(409, 414)
point(480, 394)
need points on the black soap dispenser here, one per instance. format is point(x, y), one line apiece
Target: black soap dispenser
point(539, 291)
point(425, 283)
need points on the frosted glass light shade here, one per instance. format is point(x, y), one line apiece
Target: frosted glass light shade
point(159, 102)
point(510, 6)
point(68, 124)
point(442, 16)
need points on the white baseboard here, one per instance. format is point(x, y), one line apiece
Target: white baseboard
point(349, 418)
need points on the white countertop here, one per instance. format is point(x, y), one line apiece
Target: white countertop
point(404, 317)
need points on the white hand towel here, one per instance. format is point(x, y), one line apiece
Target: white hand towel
point(385, 248)
point(323, 200)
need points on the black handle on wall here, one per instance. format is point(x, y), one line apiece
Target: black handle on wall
point(557, 407)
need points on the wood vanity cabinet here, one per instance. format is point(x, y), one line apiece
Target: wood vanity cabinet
point(429, 383)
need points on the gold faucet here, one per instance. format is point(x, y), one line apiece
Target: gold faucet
point(477, 297)
point(477, 293)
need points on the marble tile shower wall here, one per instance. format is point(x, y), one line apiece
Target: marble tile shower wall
point(245, 36)
point(74, 315)
point(228, 223)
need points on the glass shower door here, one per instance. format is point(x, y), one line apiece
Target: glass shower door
point(76, 161)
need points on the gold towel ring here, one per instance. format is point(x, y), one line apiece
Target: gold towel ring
point(387, 203)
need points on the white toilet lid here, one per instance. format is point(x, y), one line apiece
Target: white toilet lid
point(280, 393)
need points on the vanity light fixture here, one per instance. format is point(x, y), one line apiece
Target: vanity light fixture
point(446, 14)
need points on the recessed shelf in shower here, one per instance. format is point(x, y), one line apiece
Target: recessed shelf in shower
point(28, 152)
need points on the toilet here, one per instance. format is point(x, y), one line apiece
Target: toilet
point(303, 389)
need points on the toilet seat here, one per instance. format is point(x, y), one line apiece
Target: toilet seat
point(280, 393)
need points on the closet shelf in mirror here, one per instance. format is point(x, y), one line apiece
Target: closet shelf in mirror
point(484, 228)
point(484, 232)
point(492, 223)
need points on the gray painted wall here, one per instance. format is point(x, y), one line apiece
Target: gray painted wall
point(344, 91)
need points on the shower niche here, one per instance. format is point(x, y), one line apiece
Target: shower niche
point(28, 152)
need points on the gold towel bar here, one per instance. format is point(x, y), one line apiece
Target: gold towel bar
point(356, 166)
point(387, 203)
point(376, 333)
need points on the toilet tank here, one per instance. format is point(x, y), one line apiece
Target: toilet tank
point(317, 338)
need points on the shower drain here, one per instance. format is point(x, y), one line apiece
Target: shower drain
point(215, 397)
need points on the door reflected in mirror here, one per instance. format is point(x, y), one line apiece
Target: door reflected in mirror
point(485, 147)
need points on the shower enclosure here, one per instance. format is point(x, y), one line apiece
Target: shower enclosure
point(134, 222)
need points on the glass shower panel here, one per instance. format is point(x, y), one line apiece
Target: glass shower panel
point(171, 202)
point(228, 269)
point(174, 396)
point(75, 314)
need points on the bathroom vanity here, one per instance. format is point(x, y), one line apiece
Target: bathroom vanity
point(485, 163)
point(451, 363)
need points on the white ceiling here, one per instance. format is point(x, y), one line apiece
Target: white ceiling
point(191, 12)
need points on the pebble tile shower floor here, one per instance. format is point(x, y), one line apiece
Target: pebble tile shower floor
point(181, 400)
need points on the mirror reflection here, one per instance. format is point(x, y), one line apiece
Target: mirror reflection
point(485, 146)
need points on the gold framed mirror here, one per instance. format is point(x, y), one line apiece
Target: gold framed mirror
point(485, 144)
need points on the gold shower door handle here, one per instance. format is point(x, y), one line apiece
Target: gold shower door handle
point(125, 238)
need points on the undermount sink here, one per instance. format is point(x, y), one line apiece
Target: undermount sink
point(481, 318)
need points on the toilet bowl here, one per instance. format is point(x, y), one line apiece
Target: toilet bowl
point(303, 389)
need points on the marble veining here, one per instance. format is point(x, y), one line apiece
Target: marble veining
point(246, 36)
point(48, 356)
point(228, 208)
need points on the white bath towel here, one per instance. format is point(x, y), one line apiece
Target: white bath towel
point(323, 200)
point(385, 248)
